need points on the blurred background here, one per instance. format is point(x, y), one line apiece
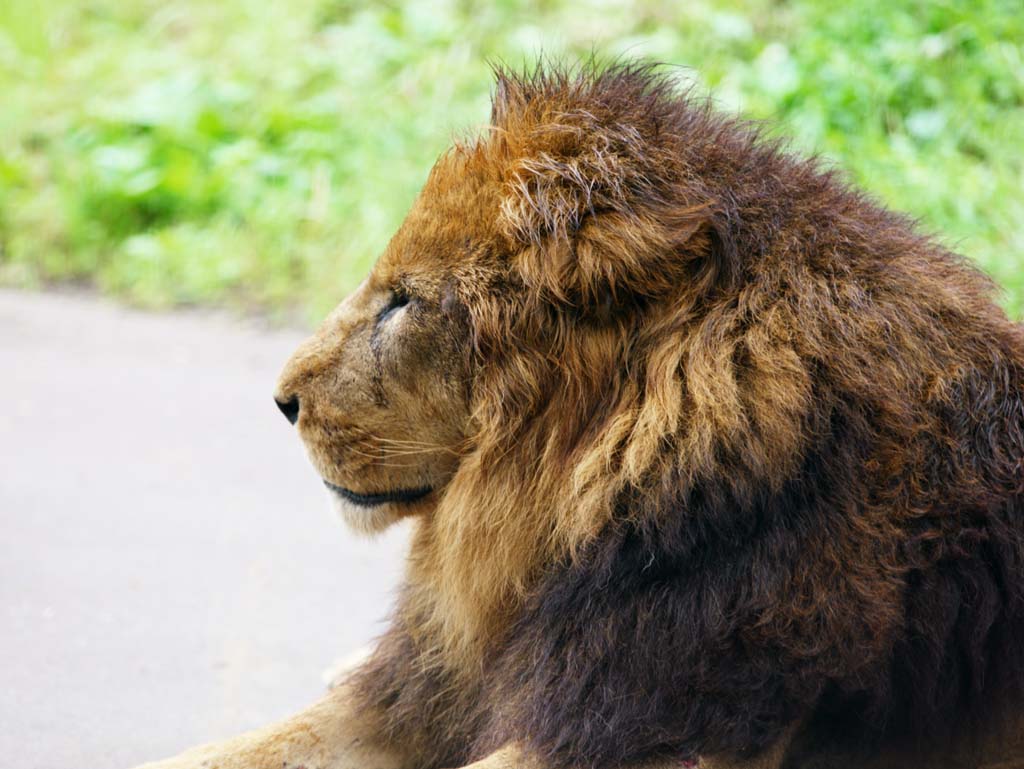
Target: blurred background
point(169, 572)
point(260, 154)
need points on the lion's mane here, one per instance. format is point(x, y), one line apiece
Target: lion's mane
point(748, 445)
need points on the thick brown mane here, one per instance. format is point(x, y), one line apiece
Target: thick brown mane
point(745, 443)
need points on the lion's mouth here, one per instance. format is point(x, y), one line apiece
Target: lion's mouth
point(399, 496)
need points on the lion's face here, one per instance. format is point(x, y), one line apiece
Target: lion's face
point(381, 392)
point(512, 312)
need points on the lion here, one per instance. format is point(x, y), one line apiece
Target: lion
point(710, 458)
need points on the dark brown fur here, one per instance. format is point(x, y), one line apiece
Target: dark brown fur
point(746, 449)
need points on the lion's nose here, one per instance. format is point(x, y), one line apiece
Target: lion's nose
point(290, 408)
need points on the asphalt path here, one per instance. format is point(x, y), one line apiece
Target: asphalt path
point(170, 571)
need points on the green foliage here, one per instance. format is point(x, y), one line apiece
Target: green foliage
point(261, 153)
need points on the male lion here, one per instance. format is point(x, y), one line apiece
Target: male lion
point(710, 458)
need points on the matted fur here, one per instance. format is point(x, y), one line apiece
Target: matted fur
point(745, 448)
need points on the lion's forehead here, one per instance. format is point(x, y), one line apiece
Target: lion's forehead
point(452, 221)
point(425, 245)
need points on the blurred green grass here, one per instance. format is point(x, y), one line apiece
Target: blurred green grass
point(260, 154)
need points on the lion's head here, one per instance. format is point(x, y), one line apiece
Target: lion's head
point(545, 335)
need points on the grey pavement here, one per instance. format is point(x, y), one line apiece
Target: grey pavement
point(170, 571)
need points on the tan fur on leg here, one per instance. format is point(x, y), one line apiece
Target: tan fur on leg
point(509, 757)
point(328, 735)
point(513, 757)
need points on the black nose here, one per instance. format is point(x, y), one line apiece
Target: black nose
point(290, 408)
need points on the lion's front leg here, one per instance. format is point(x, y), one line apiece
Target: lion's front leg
point(332, 734)
point(513, 757)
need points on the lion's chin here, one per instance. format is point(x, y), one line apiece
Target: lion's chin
point(365, 520)
point(372, 513)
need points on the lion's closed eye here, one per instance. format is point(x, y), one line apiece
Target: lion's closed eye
point(398, 302)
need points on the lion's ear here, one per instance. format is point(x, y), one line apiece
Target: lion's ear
point(592, 215)
point(594, 200)
point(615, 258)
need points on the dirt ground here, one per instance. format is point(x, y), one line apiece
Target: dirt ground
point(170, 571)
